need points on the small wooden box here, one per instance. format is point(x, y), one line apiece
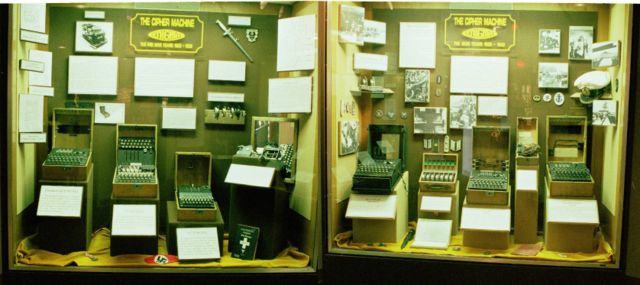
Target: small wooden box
point(567, 142)
point(173, 223)
point(193, 168)
point(132, 190)
point(491, 146)
point(452, 214)
point(437, 167)
point(72, 129)
point(527, 134)
point(485, 226)
point(571, 225)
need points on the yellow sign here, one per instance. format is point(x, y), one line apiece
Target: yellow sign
point(166, 33)
point(480, 32)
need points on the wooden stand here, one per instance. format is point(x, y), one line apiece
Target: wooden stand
point(485, 226)
point(173, 223)
point(526, 207)
point(452, 214)
point(135, 244)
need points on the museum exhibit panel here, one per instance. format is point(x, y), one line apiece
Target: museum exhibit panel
point(176, 136)
point(489, 133)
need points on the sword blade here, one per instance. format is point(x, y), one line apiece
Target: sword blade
point(229, 34)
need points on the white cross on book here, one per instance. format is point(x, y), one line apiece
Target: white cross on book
point(245, 242)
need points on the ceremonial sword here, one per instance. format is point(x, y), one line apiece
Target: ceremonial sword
point(228, 33)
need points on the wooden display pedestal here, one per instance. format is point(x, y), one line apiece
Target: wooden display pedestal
point(488, 197)
point(526, 206)
point(130, 244)
point(173, 223)
point(429, 208)
point(486, 226)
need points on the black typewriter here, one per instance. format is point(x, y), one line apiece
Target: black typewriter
point(67, 157)
point(190, 196)
point(569, 171)
point(377, 176)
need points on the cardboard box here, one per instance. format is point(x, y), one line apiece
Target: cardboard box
point(526, 206)
point(73, 130)
point(485, 226)
point(173, 223)
point(125, 157)
point(491, 146)
point(437, 168)
point(527, 133)
point(428, 211)
point(193, 168)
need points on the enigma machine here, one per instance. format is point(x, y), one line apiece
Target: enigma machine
point(439, 172)
point(380, 168)
point(136, 174)
point(489, 178)
point(194, 199)
point(70, 154)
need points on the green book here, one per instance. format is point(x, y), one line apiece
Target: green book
point(246, 242)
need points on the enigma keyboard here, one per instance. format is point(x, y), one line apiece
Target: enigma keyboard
point(377, 177)
point(190, 196)
point(569, 171)
point(135, 173)
point(488, 180)
point(67, 157)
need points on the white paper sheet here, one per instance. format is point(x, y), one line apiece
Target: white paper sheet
point(109, 113)
point(296, 43)
point(436, 204)
point(479, 74)
point(572, 211)
point(31, 65)
point(432, 234)
point(225, 97)
point(417, 45)
point(31, 113)
point(240, 21)
point(164, 77)
point(33, 17)
point(526, 180)
point(95, 15)
point(223, 70)
point(487, 219)
point(492, 106)
point(60, 201)
point(370, 61)
point(371, 207)
point(41, 78)
point(375, 32)
point(29, 36)
point(41, 90)
point(179, 118)
point(93, 75)
point(249, 175)
point(197, 243)
point(33, 137)
point(290, 95)
point(133, 220)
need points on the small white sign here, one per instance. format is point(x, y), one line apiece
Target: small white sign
point(33, 17)
point(227, 70)
point(179, 118)
point(109, 113)
point(290, 95)
point(60, 201)
point(239, 21)
point(369, 61)
point(33, 137)
point(133, 220)
point(226, 97)
point(436, 204)
point(41, 90)
point(197, 243)
point(34, 37)
point(362, 206)
point(94, 15)
point(433, 234)
point(256, 176)
point(31, 65)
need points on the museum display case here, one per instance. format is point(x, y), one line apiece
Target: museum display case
point(516, 118)
point(165, 137)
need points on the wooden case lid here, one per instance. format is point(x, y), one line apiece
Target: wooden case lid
point(491, 143)
point(72, 128)
point(193, 168)
point(565, 133)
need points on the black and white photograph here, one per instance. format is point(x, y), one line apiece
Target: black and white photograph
point(580, 41)
point(605, 54)
point(463, 111)
point(605, 113)
point(351, 24)
point(94, 37)
point(416, 86)
point(375, 32)
point(349, 135)
point(553, 75)
point(430, 120)
point(549, 41)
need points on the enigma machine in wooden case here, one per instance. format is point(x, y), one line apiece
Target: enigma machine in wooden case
point(489, 179)
point(136, 174)
point(439, 172)
point(194, 199)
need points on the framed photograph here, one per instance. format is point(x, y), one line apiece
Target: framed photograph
point(463, 111)
point(430, 120)
point(416, 86)
point(349, 136)
point(605, 113)
point(351, 24)
point(605, 54)
point(375, 32)
point(94, 37)
point(549, 41)
point(580, 41)
point(553, 75)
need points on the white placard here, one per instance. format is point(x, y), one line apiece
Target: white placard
point(87, 29)
point(572, 211)
point(41, 90)
point(249, 175)
point(479, 74)
point(433, 234)
point(60, 201)
point(179, 118)
point(133, 220)
point(93, 75)
point(296, 43)
point(227, 70)
point(362, 206)
point(33, 17)
point(526, 180)
point(31, 65)
point(94, 15)
point(164, 77)
point(486, 219)
point(225, 97)
point(438, 204)
point(109, 113)
point(418, 45)
point(31, 113)
point(34, 37)
point(290, 95)
point(197, 243)
point(41, 78)
point(375, 32)
point(492, 106)
point(33, 137)
point(239, 21)
point(369, 61)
